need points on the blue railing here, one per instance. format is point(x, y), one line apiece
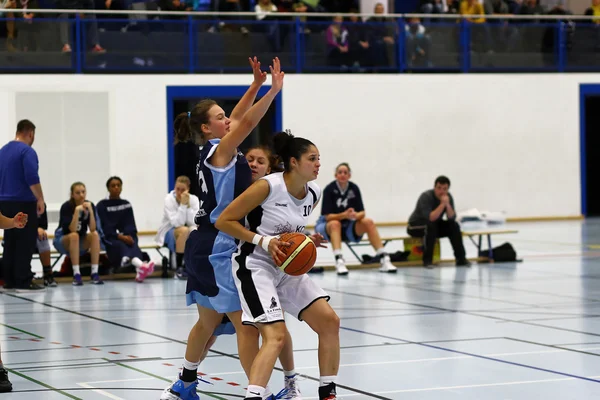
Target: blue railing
point(208, 43)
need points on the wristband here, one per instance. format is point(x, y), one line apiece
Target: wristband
point(265, 242)
point(256, 239)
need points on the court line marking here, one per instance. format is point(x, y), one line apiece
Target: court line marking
point(476, 355)
point(131, 328)
point(462, 387)
point(42, 384)
point(101, 392)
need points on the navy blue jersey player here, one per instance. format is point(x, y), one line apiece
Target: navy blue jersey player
point(223, 173)
point(343, 219)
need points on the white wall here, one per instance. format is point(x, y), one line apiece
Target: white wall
point(508, 142)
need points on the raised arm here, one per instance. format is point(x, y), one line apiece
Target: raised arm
point(249, 121)
point(247, 100)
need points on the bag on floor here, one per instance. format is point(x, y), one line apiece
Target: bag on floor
point(502, 253)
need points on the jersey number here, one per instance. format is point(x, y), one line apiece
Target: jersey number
point(307, 210)
point(342, 203)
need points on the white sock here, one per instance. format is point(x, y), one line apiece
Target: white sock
point(76, 270)
point(137, 263)
point(326, 380)
point(268, 393)
point(337, 252)
point(189, 365)
point(124, 261)
point(94, 268)
point(255, 391)
point(289, 374)
point(381, 252)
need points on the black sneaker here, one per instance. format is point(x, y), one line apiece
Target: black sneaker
point(181, 274)
point(5, 385)
point(463, 263)
point(49, 281)
point(33, 287)
point(328, 392)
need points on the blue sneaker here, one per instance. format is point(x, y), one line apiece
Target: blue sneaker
point(96, 279)
point(77, 280)
point(178, 391)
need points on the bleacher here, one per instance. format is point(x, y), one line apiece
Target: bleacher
point(187, 45)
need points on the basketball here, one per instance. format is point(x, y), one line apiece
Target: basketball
point(300, 256)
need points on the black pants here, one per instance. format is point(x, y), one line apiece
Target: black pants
point(439, 229)
point(19, 244)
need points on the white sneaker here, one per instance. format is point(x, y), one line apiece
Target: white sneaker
point(387, 266)
point(340, 267)
point(292, 392)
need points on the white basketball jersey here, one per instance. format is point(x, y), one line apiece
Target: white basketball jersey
point(281, 212)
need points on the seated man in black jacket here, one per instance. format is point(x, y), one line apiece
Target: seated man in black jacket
point(427, 222)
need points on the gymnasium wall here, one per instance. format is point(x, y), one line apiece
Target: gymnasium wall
point(508, 142)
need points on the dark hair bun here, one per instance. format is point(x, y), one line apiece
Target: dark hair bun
point(283, 143)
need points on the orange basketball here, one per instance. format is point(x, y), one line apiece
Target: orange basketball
point(300, 255)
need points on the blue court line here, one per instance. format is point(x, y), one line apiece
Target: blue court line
point(474, 355)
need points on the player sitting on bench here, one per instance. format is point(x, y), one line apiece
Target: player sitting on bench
point(343, 219)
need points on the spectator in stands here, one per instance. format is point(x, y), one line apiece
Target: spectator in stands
point(266, 12)
point(452, 7)
point(284, 5)
point(10, 25)
point(337, 44)
point(481, 38)
point(339, 6)
point(358, 41)
point(120, 231)
point(263, 8)
point(65, 27)
point(229, 6)
point(531, 7)
point(504, 35)
point(418, 44)
point(173, 5)
point(110, 5)
point(343, 218)
point(427, 222)
point(431, 6)
point(383, 33)
point(594, 11)
point(77, 233)
point(43, 249)
point(179, 212)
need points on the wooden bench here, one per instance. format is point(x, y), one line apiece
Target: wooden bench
point(470, 234)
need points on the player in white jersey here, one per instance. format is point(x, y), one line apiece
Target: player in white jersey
point(276, 204)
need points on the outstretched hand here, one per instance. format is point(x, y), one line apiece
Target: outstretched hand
point(276, 75)
point(259, 76)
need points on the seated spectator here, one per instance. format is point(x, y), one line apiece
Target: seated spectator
point(594, 11)
point(343, 218)
point(504, 35)
point(383, 34)
point(481, 38)
point(263, 8)
point(77, 233)
point(418, 44)
point(531, 7)
point(427, 222)
point(10, 25)
point(431, 6)
point(43, 249)
point(120, 231)
point(65, 27)
point(178, 220)
point(337, 44)
point(358, 41)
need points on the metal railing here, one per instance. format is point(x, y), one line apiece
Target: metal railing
point(196, 42)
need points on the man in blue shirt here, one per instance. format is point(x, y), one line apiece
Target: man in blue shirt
point(20, 190)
